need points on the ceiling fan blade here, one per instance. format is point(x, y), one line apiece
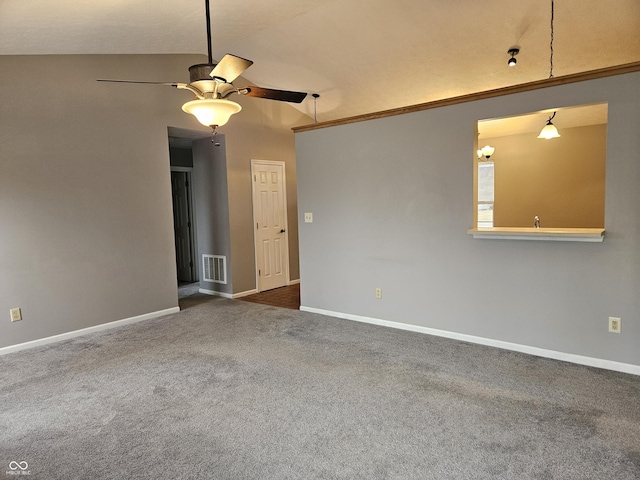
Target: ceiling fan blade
point(171, 84)
point(230, 67)
point(271, 94)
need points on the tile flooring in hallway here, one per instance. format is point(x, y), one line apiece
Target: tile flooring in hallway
point(285, 297)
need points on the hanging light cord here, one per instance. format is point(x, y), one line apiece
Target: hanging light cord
point(551, 45)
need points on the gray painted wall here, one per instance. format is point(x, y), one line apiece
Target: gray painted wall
point(85, 193)
point(392, 202)
point(211, 200)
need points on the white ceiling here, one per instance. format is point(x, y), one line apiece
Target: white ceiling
point(361, 56)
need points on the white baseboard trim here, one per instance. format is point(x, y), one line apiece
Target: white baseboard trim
point(539, 352)
point(294, 282)
point(245, 294)
point(85, 331)
point(228, 295)
point(214, 293)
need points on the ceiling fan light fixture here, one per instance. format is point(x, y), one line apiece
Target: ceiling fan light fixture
point(212, 82)
point(212, 112)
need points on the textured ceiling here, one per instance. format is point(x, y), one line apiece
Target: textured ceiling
point(361, 56)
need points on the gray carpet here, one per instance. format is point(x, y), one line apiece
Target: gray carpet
point(233, 390)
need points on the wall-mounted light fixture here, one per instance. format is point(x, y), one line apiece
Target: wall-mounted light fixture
point(486, 152)
point(513, 52)
point(549, 130)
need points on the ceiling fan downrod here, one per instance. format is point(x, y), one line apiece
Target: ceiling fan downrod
point(209, 48)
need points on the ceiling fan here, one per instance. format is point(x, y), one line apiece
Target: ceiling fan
point(212, 84)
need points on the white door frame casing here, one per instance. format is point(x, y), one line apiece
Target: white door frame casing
point(254, 164)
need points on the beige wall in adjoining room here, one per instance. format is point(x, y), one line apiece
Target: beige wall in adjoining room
point(561, 180)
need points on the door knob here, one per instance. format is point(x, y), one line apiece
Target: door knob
point(282, 231)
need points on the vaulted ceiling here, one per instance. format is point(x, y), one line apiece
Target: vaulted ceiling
point(361, 56)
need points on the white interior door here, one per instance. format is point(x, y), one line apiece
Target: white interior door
point(270, 219)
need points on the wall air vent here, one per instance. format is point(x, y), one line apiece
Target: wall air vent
point(214, 268)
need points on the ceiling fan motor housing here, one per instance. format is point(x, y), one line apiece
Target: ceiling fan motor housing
point(200, 71)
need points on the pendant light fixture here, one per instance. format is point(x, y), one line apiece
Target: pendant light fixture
point(513, 52)
point(550, 131)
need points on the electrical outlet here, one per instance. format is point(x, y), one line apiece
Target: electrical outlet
point(308, 217)
point(378, 293)
point(615, 325)
point(16, 314)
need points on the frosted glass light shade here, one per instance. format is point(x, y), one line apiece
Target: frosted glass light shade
point(487, 151)
point(212, 112)
point(549, 131)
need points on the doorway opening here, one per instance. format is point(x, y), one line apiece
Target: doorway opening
point(181, 162)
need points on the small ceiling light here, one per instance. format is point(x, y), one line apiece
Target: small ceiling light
point(549, 130)
point(513, 52)
point(486, 151)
